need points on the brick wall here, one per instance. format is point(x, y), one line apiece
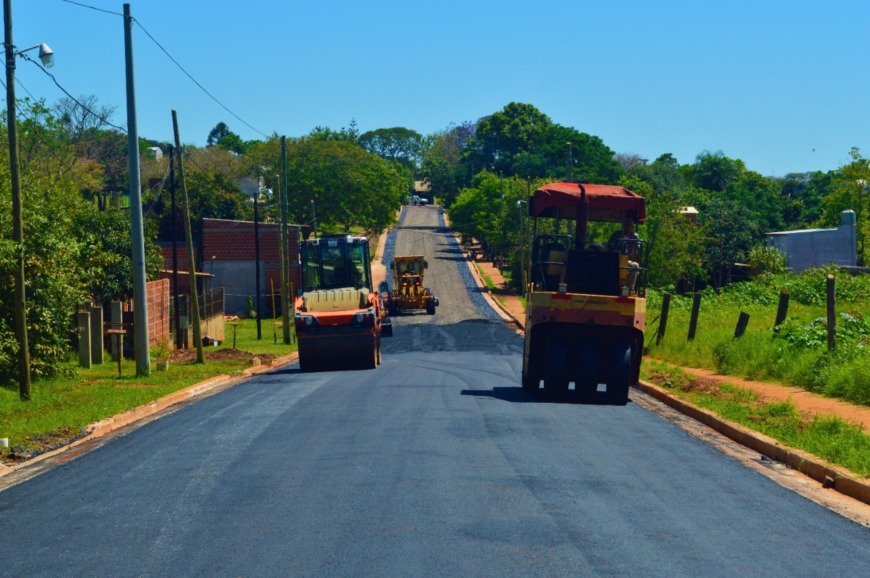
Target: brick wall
point(228, 249)
point(158, 311)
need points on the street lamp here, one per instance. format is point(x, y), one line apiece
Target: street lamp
point(20, 308)
point(46, 54)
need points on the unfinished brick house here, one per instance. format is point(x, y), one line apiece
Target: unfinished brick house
point(228, 261)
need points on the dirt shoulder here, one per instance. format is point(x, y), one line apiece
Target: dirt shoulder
point(807, 402)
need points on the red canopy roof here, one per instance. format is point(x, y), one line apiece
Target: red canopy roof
point(606, 202)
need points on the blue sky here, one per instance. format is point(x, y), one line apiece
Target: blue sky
point(782, 85)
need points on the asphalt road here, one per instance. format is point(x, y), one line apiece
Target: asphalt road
point(435, 464)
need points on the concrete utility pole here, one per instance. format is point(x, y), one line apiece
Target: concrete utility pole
point(20, 308)
point(191, 256)
point(140, 297)
point(175, 295)
point(286, 298)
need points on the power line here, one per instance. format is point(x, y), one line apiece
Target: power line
point(175, 62)
point(93, 7)
point(66, 92)
point(201, 87)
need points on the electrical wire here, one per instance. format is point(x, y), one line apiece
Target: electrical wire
point(93, 7)
point(175, 62)
point(201, 87)
point(66, 92)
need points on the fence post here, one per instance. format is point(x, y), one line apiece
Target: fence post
point(782, 310)
point(97, 347)
point(116, 318)
point(832, 314)
point(693, 320)
point(742, 322)
point(663, 319)
point(84, 322)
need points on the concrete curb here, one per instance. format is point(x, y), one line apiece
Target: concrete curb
point(112, 424)
point(828, 475)
point(487, 294)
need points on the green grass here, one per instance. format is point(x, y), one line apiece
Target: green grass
point(65, 405)
point(796, 356)
point(830, 438)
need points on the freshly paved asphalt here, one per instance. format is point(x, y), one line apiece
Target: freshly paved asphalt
point(435, 464)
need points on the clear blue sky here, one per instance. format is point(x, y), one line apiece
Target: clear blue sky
point(780, 84)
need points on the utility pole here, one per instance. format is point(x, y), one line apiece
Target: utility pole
point(257, 260)
point(140, 297)
point(191, 256)
point(175, 296)
point(286, 298)
point(20, 307)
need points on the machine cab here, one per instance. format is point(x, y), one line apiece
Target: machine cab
point(336, 262)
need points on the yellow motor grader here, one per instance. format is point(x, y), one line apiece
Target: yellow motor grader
point(409, 293)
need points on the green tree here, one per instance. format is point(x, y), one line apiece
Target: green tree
point(730, 233)
point(442, 162)
point(348, 134)
point(50, 186)
point(398, 144)
point(760, 196)
point(850, 190)
point(499, 138)
point(715, 171)
point(221, 136)
point(802, 197)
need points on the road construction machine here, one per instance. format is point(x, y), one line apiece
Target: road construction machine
point(408, 292)
point(586, 310)
point(339, 318)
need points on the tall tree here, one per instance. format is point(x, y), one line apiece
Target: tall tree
point(442, 165)
point(850, 190)
point(398, 144)
point(221, 136)
point(517, 128)
point(714, 171)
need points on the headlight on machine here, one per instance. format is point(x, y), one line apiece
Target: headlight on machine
point(306, 320)
point(364, 318)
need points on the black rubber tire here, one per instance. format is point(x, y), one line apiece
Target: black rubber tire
point(430, 306)
point(531, 384)
point(370, 358)
point(620, 373)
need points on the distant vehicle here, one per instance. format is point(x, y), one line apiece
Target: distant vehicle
point(415, 200)
point(409, 293)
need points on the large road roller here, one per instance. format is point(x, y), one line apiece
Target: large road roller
point(586, 310)
point(339, 317)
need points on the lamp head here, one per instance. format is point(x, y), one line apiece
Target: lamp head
point(46, 55)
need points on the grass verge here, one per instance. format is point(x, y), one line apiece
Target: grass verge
point(60, 408)
point(830, 438)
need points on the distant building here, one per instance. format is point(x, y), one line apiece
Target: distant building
point(690, 214)
point(156, 152)
point(816, 247)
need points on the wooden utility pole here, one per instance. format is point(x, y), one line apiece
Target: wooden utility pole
point(191, 256)
point(20, 308)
